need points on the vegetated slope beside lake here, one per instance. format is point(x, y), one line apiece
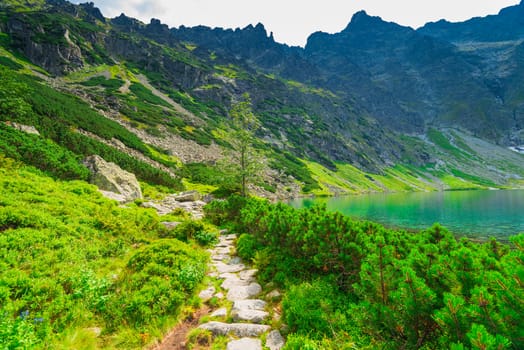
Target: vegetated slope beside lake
point(355, 284)
point(78, 271)
point(417, 117)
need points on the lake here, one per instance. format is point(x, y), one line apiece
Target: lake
point(475, 214)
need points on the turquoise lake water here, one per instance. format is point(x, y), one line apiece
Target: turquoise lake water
point(476, 214)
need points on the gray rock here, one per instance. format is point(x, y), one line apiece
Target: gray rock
point(249, 304)
point(233, 282)
point(274, 295)
point(224, 268)
point(222, 250)
point(95, 330)
point(207, 294)
point(219, 257)
point(170, 224)
point(120, 198)
point(275, 341)
point(29, 129)
point(219, 295)
point(254, 316)
point(111, 178)
point(230, 237)
point(248, 275)
point(235, 261)
point(189, 196)
point(245, 344)
point(228, 275)
point(244, 292)
point(237, 329)
point(222, 312)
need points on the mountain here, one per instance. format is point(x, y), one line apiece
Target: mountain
point(376, 107)
point(507, 25)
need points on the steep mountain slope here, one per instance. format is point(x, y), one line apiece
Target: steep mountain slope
point(495, 45)
point(507, 25)
point(374, 107)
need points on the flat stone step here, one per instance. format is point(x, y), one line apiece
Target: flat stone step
point(253, 316)
point(207, 294)
point(224, 268)
point(230, 236)
point(233, 282)
point(249, 304)
point(248, 274)
point(245, 344)
point(275, 341)
point(219, 257)
point(222, 312)
point(238, 329)
point(244, 292)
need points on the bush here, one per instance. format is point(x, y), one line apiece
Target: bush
point(247, 246)
point(301, 342)
point(188, 230)
point(71, 260)
point(220, 212)
point(399, 289)
point(312, 308)
point(206, 239)
point(159, 278)
point(43, 154)
point(193, 230)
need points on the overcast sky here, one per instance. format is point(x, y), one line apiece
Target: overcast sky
point(292, 21)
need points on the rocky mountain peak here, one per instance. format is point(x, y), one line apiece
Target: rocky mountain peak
point(92, 11)
point(126, 22)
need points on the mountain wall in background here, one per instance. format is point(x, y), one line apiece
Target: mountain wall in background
point(444, 100)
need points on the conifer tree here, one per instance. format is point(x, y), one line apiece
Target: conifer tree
point(244, 163)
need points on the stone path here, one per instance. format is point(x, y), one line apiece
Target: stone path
point(248, 313)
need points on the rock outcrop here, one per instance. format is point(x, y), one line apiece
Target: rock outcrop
point(113, 181)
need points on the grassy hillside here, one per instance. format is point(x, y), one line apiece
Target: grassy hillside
point(77, 271)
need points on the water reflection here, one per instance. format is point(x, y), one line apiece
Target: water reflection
point(477, 214)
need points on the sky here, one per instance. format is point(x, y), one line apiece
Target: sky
point(292, 21)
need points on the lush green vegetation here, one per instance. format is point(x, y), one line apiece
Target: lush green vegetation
point(77, 271)
point(56, 115)
point(111, 85)
point(354, 283)
point(145, 94)
point(43, 154)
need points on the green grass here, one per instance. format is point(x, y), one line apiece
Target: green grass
point(71, 260)
point(56, 115)
point(473, 179)
point(349, 179)
point(462, 144)
point(9, 63)
point(111, 85)
point(442, 141)
point(327, 180)
point(146, 95)
point(231, 71)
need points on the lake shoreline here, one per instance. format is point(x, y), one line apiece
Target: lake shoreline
point(476, 214)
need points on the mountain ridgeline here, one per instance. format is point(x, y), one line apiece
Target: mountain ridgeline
point(375, 107)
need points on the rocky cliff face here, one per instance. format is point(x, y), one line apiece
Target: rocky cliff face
point(347, 97)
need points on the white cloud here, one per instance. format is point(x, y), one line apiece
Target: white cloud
point(293, 20)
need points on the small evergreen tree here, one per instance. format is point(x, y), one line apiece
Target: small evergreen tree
point(243, 163)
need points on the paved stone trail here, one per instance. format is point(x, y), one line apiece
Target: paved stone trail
point(241, 288)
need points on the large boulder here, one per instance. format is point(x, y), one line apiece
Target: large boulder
point(113, 181)
point(188, 196)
